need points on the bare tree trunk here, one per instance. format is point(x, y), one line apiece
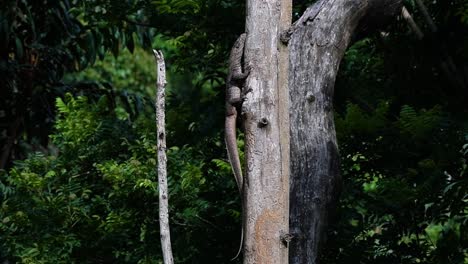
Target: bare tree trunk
point(162, 159)
point(266, 119)
point(317, 44)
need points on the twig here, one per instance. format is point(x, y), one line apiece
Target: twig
point(426, 16)
point(409, 19)
point(209, 223)
point(162, 159)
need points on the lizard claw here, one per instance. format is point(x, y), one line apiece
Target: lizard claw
point(244, 94)
point(248, 69)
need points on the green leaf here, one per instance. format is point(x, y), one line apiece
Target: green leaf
point(90, 48)
point(19, 48)
point(61, 106)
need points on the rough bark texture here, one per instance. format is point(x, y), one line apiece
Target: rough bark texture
point(266, 121)
point(317, 44)
point(162, 159)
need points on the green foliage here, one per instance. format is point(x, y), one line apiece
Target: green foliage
point(90, 194)
point(404, 192)
point(404, 195)
point(97, 201)
point(45, 40)
point(357, 121)
point(463, 13)
point(417, 125)
point(40, 42)
point(400, 204)
point(130, 72)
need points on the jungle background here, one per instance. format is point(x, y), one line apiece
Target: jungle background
point(78, 179)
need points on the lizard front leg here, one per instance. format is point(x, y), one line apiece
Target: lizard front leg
point(234, 81)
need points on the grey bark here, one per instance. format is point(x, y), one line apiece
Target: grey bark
point(266, 121)
point(162, 159)
point(317, 44)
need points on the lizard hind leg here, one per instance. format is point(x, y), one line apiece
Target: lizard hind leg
point(234, 95)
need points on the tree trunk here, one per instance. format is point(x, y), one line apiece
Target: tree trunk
point(266, 119)
point(317, 44)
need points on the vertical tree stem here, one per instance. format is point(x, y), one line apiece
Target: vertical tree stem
point(265, 114)
point(162, 159)
point(318, 43)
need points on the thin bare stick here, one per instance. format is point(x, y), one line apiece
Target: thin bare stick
point(427, 16)
point(162, 159)
point(414, 27)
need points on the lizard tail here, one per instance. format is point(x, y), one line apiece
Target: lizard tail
point(233, 155)
point(232, 151)
point(240, 245)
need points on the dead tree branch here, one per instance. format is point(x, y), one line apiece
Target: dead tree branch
point(162, 159)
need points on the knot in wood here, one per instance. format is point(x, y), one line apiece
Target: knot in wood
point(316, 200)
point(263, 122)
point(310, 98)
point(285, 36)
point(286, 238)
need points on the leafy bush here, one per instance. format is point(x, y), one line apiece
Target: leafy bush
point(404, 198)
point(96, 202)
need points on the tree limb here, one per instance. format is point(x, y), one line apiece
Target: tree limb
point(162, 159)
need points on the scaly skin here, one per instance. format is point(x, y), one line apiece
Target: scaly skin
point(233, 99)
point(231, 144)
point(234, 84)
